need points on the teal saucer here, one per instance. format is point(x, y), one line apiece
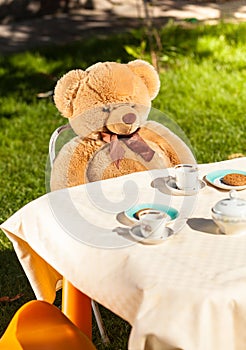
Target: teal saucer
point(214, 178)
point(171, 212)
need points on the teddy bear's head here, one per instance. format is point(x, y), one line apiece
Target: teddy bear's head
point(109, 95)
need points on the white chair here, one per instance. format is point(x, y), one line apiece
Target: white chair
point(52, 155)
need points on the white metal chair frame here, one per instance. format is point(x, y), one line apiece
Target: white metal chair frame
point(52, 156)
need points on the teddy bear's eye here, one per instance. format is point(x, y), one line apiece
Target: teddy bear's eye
point(106, 109)
point(133, 106)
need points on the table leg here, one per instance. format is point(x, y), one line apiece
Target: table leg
point(77, 307)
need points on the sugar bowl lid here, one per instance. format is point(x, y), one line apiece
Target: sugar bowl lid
point(232, 206)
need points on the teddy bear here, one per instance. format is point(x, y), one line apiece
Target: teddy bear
point(107, 106)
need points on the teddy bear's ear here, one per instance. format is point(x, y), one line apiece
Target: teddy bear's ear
point(66, 90)
point(148, 74)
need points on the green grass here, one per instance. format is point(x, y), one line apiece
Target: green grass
point(203, 76)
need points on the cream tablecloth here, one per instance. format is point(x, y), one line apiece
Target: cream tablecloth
point(187, 293)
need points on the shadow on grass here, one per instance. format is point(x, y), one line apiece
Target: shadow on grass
point(13, 282)
point(34, 28)
point(25, 75)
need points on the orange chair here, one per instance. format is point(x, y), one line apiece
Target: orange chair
point(38, 325)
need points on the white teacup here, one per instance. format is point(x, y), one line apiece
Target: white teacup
point(187, 177)
point(152, 224)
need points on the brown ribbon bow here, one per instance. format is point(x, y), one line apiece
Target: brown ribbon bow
point(133, 141)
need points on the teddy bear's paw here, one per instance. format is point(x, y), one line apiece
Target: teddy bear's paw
point(125, 167)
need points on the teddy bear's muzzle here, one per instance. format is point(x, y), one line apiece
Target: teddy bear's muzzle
point(123, 120)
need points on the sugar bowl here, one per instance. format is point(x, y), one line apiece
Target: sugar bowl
point(229, 214)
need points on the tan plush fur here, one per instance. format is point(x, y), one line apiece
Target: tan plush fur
point(115, 99)
point(70, 167)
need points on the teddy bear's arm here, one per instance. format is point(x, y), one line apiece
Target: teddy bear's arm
point(166, 143)
point(71, 163)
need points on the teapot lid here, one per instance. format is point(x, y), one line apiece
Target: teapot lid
point(232, 206)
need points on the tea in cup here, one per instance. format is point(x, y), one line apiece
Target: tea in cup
point(153, 224)
point(187, 177)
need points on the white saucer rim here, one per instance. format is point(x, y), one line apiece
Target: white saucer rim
point(217, 182)
point(147, 240)
point(183, 192)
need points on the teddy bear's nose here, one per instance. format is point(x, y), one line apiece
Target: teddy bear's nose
point(129, 118)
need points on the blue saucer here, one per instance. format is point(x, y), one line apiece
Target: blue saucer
point(214, 178)
point(171, 212)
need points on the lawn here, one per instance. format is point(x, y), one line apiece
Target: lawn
point(203, 90)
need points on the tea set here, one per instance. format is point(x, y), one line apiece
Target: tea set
point(229, 214)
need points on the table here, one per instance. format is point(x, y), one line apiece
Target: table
point(187, 293)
